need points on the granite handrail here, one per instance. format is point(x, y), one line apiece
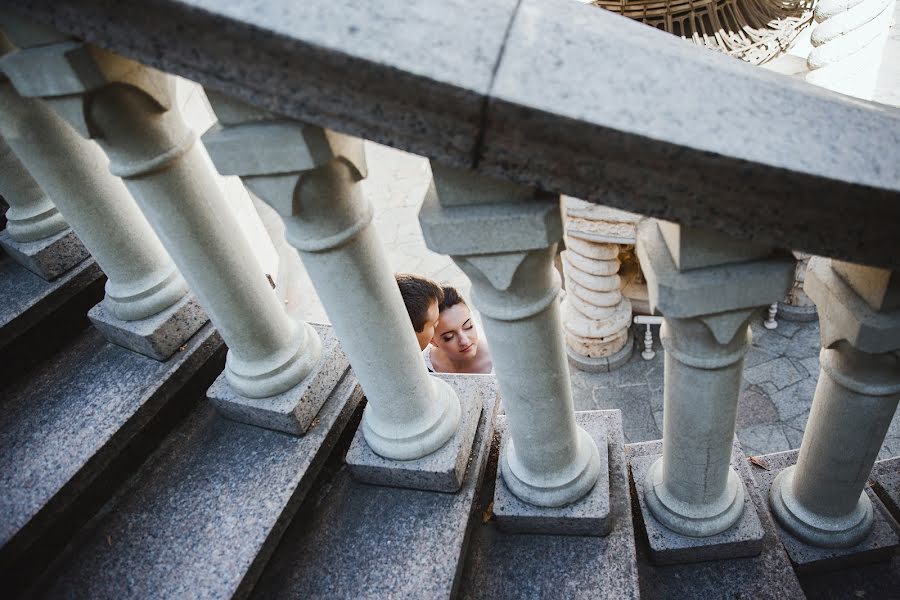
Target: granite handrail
point(548, 93)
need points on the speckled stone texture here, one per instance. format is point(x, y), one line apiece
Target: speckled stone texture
point(768, 575)
point(605, 364)
point(48, 258)
point(202, 515)
point(292, 411)
point(373, 542)
point(65, 423)
point(881, 543)
point(444, 469)
point(885, 480)
point(503, 566)
point(744, 538)
point(26, 299)
point(588, 516)
point(157, 337)
point(798, 314)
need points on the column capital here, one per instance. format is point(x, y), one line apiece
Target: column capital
point(856, 303)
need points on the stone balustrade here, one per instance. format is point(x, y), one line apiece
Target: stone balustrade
point(139, 188)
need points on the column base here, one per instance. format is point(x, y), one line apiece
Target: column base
point(588, 516)
point(799, 314)
point(743, 538)
point(602, 364)
point(444, 469)
point(47, 258)
point(294, 410)
point(157, 337)
point(879, 544)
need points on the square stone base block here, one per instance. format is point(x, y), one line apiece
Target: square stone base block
point(885, 480)
point(744, 538)
point(444, 469)
point(47, 258)
point(588, 516)
point(292, 411)
point(879, 545)
point(159, 336)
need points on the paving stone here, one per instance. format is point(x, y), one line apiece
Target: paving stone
point(805, 343)
point(763, 438)
point(756, 355)
point(363, 541)
point(26, 299)
point(779, 371)
point(557, 566)
point(743, 539)
point(204, 513)
point(786, 329)
point(588, 516)
point(768, 575)
point(879, 545)
point(64, 425)
point(441, 471)
point(755, 408)
point(794, 399)
point(159, 336)
point(294, 410)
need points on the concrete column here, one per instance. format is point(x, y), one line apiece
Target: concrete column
point(311, 177)
point(504, 237)
point(821, 500)
point(142, 280)
point(129, 109)
point(692, 278)
point(31, 215)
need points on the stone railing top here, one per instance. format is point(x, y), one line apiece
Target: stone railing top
point(549, 93)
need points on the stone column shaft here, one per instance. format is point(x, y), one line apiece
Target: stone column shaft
point(31, 215)
point(142, 280)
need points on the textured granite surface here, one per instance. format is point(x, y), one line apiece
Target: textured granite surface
point(885, 480)
point(502, 565)
point(159, 336)
point(602, 365)
point(440, 471)
point(201, 516)
point(744, 538)
point(292, 411)
point(48, 258)
point(359, 541)
point(768, 575)
point(501, 87)
point(588, 516)
point(64, 423)
point(880, 544)
point(25, 298)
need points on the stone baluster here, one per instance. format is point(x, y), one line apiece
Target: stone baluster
point(797, 306)
point(693, 489)
point(130, 110)
point(36, 235)
point(821, 500)
point(312, 177)
point(504, 237)
point(147, 307)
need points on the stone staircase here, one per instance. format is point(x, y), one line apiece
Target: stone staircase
point(121, 481)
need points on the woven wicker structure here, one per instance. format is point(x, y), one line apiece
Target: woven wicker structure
point(753, 30)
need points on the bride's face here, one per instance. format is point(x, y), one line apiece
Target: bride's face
point(456, 334)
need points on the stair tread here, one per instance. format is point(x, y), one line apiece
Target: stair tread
point(73, 415)
point(503, 565)
point(25, 298)
point(201, 515)
point(368, 541)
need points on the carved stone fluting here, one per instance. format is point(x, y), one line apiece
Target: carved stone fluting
point(596, 315)
point(129, 109)
point(36, 235)
point(708, 288)
point(142, 281)
point(797, 305)
point(848, 40)
point(821, 500)
point(311, 177)
point(504, 237)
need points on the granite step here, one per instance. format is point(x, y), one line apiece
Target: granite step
point(75, 426)
point(356, 541)
point(38, 316)
point(503, 565)
point(201, 516)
